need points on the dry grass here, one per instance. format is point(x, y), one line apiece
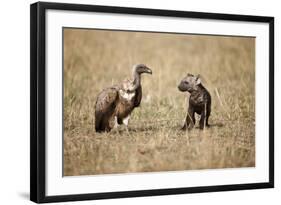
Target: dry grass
point(95, 59)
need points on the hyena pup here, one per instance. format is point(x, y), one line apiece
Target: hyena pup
point(199, 101)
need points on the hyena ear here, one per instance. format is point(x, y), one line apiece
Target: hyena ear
point(198, 79)
point(188, 74)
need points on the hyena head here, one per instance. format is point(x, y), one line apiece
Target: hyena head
point(189, 83)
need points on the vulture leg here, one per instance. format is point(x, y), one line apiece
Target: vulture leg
point(115, 122)
point(126, 122)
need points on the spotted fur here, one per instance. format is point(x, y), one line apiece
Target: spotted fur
point(199, 101)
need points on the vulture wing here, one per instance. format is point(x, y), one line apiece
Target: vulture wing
point(104, 109)
point(138, 96)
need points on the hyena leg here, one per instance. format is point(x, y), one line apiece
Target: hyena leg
point(203, 119)
point(207, 123)
point(208, 115)
point(189, 120)
point(193, 119)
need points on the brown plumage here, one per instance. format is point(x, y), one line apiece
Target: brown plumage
point(115, 104)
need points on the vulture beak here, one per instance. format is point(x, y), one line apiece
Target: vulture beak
point(148, 70)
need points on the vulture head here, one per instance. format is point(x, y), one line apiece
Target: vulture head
point(141, 68)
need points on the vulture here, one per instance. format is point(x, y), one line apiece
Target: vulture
point(115, 104)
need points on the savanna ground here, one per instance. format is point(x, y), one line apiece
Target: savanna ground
point(96, 59)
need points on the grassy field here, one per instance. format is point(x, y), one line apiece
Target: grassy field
point(95, 59)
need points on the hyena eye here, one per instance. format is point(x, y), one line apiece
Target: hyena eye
point(185, 82)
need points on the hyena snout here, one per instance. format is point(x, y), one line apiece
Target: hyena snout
point(189, 83)
point(187, 86)
point(181, 87)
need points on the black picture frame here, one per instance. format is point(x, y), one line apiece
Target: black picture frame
point(38, 101)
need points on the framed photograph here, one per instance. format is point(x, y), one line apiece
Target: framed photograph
point(129, 102)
